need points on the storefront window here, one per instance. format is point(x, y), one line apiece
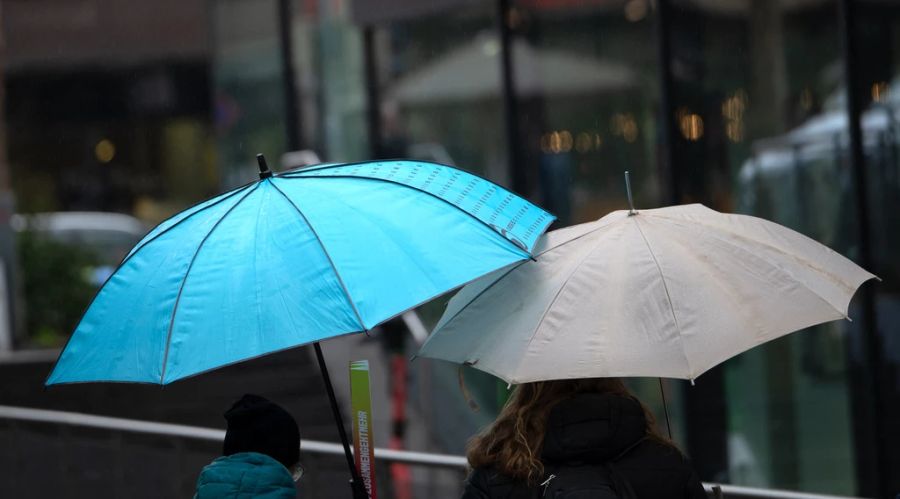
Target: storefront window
point(439, 80)
point(877, 31)
point(587, 85)
point(331, 76)
point(761, 129)
point(248, 90)
point(106, 117)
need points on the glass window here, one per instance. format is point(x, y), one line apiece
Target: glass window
point(248, 91)
point(877, 37)
point(331, 80)
point(587, 86)
point(439, 80)
point(437, 71)
point(761, 129)
point(104, 116)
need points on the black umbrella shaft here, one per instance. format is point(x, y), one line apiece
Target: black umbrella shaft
point(356, 484)
point(662, 392)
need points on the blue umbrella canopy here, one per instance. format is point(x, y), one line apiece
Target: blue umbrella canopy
point(293, 259)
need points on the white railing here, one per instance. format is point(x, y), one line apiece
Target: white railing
point(326, 448)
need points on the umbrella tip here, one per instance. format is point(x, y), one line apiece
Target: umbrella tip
point(264, 171)
point(631, 210)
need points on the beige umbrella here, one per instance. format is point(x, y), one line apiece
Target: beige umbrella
point(668, 292)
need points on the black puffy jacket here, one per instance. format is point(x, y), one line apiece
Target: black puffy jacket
point(594, 430)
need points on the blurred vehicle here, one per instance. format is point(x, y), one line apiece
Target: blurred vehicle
point(293, 160)
point(107, 235)
point(65, 257)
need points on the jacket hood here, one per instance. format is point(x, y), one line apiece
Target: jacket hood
point(245, 475)
point(592, 427)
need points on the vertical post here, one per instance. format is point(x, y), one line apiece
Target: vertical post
point(13, 325)
point(517, 171)
point(373, 93)
point(288, 76)
point(873, 477)
point(668, 168)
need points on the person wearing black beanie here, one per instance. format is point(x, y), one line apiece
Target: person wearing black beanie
point(257, 425)
point(260, 455)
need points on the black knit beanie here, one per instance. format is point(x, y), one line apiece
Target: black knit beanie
point(257, 425)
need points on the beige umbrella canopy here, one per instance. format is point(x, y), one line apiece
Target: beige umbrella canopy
point(669, 292)
point(472, 72)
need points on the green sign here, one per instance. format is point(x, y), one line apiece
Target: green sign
point(361, 409)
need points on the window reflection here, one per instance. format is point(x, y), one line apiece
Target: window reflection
point(586, 81)
point(763, 131)
point(440, 81)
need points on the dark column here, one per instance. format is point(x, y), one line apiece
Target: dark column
point(768, 78)
point(705, 407)
point(517, 170)
point(289, 77)
point(15, 326)
point(867, 391)
point(373, 94)
point(667, 166)
point(706, 425)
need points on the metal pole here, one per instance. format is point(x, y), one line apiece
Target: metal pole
point(13, 326)
point(356, 483)
point(517, 170)
point(668, 167)
point(288, 76)
point(872, 364)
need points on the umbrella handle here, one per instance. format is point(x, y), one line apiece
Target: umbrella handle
point(356, 483)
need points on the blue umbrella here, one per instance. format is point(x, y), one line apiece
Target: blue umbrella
point(292, 259)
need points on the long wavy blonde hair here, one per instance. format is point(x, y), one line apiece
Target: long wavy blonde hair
point(512, 444)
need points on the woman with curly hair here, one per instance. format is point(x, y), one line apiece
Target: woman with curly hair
point(573, 439)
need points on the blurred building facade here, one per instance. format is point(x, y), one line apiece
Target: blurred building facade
point(144, 108)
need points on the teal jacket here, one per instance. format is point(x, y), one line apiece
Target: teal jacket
point(243, 476)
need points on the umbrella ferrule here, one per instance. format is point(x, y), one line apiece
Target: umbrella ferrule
point(264, 171)
point(631, 210)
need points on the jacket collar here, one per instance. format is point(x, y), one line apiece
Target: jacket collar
point(593, 427)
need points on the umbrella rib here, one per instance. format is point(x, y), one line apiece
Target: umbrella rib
point(559, 292)
point(668, 296)
point(591, 232)
point(485, 290)
point(165, 362)
point(129, 256)
point(832, 277)
point(337, 274)
point(176, 224)
point(518, 244)
point(805, 263)
point(300, 173)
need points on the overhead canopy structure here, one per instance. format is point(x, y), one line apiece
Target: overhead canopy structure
point(472, 72)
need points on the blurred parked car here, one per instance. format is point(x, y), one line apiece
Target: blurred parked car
point(65, 257)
